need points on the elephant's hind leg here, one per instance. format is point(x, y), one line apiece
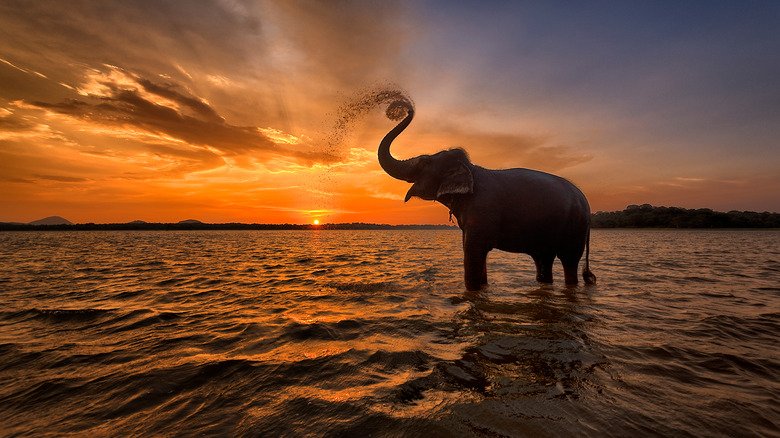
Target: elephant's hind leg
point(570, 269)
point(570, 273)
point(544, 265)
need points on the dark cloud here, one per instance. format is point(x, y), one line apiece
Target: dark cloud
point(62, 178)
point(18, 180)
point(190, 43)
point(187, 160)
point(141, 33)
point(197, 105)
point(12, 123)
point(189, 119)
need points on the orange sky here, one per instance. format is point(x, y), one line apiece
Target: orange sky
point(225, 111)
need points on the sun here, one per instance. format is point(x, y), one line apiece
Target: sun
point(316, 221)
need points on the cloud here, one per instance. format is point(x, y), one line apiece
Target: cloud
point(227, 68)
point(143, 33)
point(343, 43)
point(501, 150)
point(10, 123)
point(689, 179)
point(124, 99)
point(62, 178)
point(22, 69)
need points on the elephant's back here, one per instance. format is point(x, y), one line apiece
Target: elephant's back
point(540, 210)
point(534, 188)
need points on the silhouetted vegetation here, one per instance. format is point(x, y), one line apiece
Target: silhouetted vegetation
point(634, 216)
point(647, 216)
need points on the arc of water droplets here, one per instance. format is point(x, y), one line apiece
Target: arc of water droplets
point(398, 104)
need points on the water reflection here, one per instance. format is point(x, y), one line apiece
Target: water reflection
point(349, 334)
point(532, 343)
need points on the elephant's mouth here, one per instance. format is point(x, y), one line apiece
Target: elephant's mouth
point(410, 193)
point(417, 191)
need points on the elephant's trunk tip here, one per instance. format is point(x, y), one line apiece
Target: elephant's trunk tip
point(399, 109)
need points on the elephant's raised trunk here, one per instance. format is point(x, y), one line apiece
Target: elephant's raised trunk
point(399, 169)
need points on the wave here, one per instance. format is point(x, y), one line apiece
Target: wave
point(145, 334)
point(763, 327)
point(56, 315)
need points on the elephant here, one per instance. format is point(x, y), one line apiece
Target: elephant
point(515, 210)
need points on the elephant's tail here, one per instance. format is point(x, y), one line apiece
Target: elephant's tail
point(586, 274)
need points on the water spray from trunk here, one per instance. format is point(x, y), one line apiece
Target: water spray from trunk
point(357, 107)
point(398, 104)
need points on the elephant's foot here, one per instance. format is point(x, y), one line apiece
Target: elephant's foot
point(570, 274)
point(475, 285)
point(473, 288)
point(544, 278)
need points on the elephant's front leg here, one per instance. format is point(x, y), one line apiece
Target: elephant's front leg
point(474, 264)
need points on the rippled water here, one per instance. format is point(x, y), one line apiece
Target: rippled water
point(358, 333)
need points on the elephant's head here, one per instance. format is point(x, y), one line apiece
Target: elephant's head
point(434, 176)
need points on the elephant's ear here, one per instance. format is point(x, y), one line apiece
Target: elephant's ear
point(457, 182)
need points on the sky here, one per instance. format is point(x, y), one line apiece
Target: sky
point(227, 111)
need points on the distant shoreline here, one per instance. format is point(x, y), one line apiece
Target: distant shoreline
point(634, 216)
point(206, 226)
point(293, 227)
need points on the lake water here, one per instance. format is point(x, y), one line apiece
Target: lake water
point(372, 333)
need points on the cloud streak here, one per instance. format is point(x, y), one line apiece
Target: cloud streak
point(127, 100)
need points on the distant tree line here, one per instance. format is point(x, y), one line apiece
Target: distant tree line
point(634, 216)
point(6, 226)
point(647, 216)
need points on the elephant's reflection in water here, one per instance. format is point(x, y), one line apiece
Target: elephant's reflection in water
point(532, 344)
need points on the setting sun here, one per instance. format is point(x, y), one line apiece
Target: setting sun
point(316, 222)
point(105, 119)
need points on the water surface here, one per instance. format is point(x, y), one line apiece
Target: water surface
point(351, 333)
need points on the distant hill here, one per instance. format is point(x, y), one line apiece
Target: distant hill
point(190, 221)
point(138, 222)
point(51, 220)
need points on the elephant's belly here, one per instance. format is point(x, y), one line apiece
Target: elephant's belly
point(516, 248)
point(528, 242)
point(517, 245)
